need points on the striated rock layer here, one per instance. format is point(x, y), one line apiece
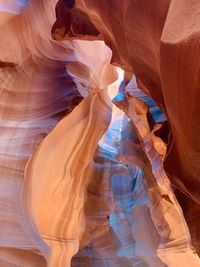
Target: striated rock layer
point(82, 182)
point(159, 41)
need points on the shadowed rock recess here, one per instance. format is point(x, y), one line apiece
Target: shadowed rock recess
point(99, 133)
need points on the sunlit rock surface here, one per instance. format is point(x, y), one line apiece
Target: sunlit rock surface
point(86, 181)
point(159, 42)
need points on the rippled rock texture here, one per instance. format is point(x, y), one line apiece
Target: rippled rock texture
point(86, 181)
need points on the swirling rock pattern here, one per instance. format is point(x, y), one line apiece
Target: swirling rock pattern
point(159, 42)
point(83, 183)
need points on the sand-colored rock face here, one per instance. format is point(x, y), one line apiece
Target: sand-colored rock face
point(180, 78)
point(132, 29)
point(159, 42)
point(82, 181)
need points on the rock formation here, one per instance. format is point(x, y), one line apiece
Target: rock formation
point(86, 181)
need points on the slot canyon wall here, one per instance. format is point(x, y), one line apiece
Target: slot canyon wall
point(97, 169)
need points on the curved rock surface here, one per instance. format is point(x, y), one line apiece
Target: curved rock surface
point(159, 42)
point(84, 181)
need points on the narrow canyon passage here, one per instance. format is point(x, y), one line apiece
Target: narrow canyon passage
point(99, 133)
point(120, 225)
point(122, 231)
